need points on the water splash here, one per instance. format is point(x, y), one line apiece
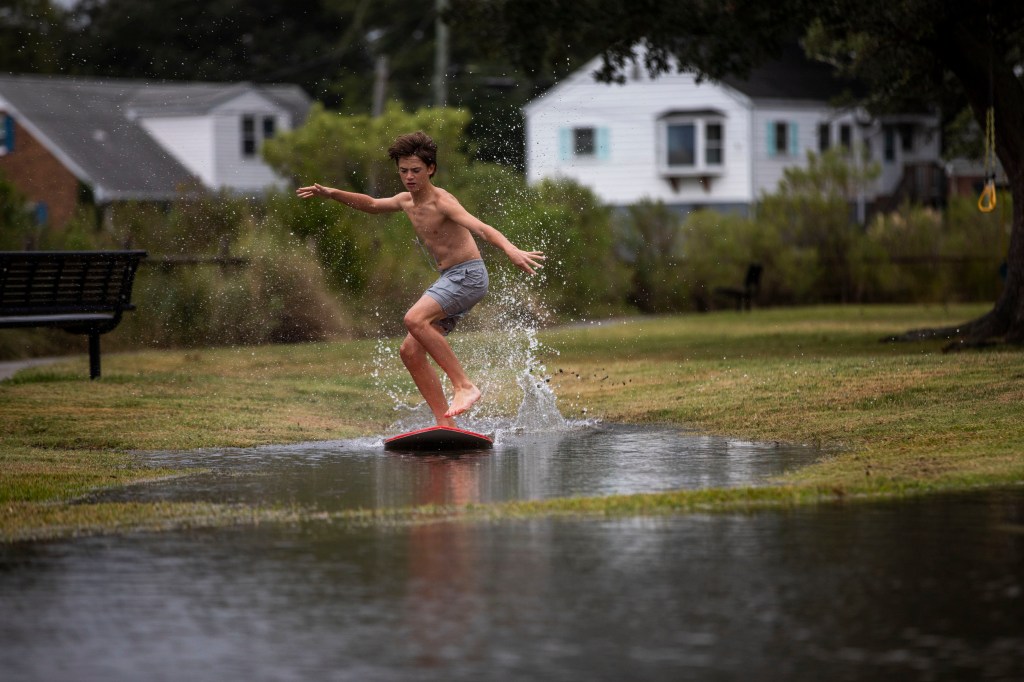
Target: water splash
point(497, 343)
point(501, 351)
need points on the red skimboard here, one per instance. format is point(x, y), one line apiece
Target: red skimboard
point(439, 439)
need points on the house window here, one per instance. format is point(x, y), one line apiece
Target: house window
point(691, 143)
point(781, 147)
point(713, 151)
point(907, 137)
point(255, 131)
point(824, 137)
point(682, 144)
point(890, 143)
point(6, 134)
point(782, 139)
point(588, 142)
point(846, 137)
point(248, 136)
point(584, 142)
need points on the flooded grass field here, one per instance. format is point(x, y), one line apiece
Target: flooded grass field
point(577, 460)
point(920, 589)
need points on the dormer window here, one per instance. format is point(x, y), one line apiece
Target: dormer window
point(253, 136)
point(691, 143)
point(248, 136)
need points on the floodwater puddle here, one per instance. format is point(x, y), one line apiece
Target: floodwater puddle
point(919, 589)
point(578, 460)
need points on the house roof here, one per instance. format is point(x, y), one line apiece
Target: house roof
point(790, 77)
point(92, 126)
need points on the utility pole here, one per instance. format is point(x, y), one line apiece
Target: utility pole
point(380, 85)
point(440, 55)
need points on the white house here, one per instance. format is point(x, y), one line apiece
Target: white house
point(716, 144)
point(128, 140)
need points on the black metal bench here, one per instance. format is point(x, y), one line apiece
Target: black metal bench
point(82, 292)
point(744, 296)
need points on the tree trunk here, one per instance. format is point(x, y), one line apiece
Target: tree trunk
point(988, 80)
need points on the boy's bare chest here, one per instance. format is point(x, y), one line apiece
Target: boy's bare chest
point(428, 221)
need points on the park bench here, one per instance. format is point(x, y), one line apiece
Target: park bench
point(744, 295)
point(81, 292)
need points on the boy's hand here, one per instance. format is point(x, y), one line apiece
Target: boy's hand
point(527, 260)
point(314, 190)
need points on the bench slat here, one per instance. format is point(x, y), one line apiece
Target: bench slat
point(83, 292)
point(69, 319)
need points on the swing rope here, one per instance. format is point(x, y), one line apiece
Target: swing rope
point(987, 200)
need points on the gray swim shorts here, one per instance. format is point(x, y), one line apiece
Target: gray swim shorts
point(458, 289)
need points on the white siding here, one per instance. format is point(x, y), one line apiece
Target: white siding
point(211, 146)
point(630, 114)
point(189, 139)
point(232, 169)
point(769, 167)
point(926, 147)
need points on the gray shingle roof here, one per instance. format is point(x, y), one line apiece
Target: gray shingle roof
point(91, 126)
point(790, 77)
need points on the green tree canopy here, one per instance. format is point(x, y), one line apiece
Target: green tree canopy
point(907, 52)
point(31, 32)
point(329, 47)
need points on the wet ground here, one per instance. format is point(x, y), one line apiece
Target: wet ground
point(580, 460)
point(920, 589)
point(926, 589)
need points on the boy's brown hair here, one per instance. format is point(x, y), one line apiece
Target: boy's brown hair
point(416, 144)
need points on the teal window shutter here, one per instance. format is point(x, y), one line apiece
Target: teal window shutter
point(8, 139)
point(771, 139)
point(604, 150)
point(565, 143)
point(41, 215)
point(794, 143)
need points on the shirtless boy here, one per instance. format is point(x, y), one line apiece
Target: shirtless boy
point(447, 230)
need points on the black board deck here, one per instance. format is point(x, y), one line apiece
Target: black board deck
point(439, 439)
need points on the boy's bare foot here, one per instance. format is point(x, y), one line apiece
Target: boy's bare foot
point(447, 421)
point(463, 400)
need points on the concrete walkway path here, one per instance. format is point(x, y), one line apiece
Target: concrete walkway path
point(9, 369)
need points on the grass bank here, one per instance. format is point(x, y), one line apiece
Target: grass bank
point(893, 418)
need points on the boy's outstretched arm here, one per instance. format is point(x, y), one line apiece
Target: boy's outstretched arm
point(527, 261)
point(361, 202)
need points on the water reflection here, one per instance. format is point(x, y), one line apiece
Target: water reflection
point(925, 589)
point(588, 460)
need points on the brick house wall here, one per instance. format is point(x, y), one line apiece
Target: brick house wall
point(40, 176)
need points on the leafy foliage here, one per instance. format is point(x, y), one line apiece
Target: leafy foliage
point(909, 53)
point(31, 33)
point(374, 258)
point(14, 218)
point(349, 150)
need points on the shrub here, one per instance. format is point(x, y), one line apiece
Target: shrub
point(17, 226)
point(281, 296)
point(651, 238)
point(375, 260)
point(930, 256)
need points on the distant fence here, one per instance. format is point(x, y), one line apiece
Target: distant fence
point(174, 262)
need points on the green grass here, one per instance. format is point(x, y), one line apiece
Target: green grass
point(894, 419)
